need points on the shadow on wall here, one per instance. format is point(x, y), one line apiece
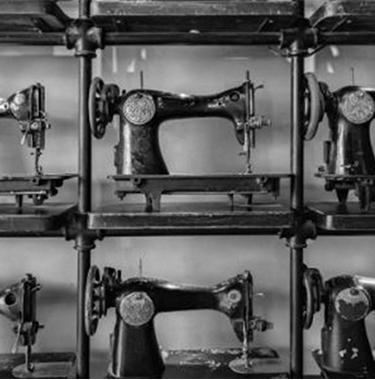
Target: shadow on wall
point(189, 146)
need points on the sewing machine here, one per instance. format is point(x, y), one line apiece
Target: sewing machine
point(140, 167)
point(348, 154)
point(134, 347)
point(18, 303)
point(348, 300)
point(27, 107)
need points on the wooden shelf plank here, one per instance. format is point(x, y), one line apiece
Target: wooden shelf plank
point(33, 219)
point(190, 218)
point(330, 216)
point(192, 21)
point(31, 16)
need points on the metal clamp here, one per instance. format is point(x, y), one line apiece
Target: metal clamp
point(297, 236)
point(307, 41)
point(83, 36)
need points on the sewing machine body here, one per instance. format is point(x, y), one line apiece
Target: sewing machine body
point(18, 303)
point(348, 154)
point(350, 151)
point(27, 107)
point(143, 111)
point(140, 166)
point(134, 348)
point(345, 347)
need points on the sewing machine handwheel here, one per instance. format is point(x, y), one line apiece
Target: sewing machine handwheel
point(94, 300)
point(97, 117)
point(314, 106)
point(109, 95)
point(313, 292)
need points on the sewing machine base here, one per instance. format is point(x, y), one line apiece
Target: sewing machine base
point(214, 363)
point(37, 187)
point(61, 365)
point(364, 186)
point(329, 374)
point(153, 186)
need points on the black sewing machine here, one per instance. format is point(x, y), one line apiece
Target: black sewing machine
point(134, 348)
point(348, 300)
point(138, 159)
point(27, 107)
point(348, 154)
point(18, 303)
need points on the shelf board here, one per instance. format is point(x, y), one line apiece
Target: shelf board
point(189, 218)
point(345, 16)
point(33, 16)
point(332, 217)
point(30, 220)
point(184, 21)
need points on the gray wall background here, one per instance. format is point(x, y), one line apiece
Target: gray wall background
point(189, 146)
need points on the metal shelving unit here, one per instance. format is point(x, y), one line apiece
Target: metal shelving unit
point(105, 23)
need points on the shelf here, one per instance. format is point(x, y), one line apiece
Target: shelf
point(190, 218)
point(33, 220)
point(345, 16)
point(32, 22)
point(31, 16)
point(332, 217)
point(192, 21)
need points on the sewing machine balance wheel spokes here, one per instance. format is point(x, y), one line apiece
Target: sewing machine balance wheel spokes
point(314, 106)
point(312, 295)
point(95, 306)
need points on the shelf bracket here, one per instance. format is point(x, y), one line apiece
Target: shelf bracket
point(75, 226)
point(83, 36)
point(297, 236)
point(307, 37)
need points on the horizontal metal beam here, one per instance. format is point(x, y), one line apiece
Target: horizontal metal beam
point(209, 38)
point(32, 39)
point(346, 38)
point(192, 38)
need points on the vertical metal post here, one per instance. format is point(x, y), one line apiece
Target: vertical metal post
point(83, 243)
point(297, 204)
